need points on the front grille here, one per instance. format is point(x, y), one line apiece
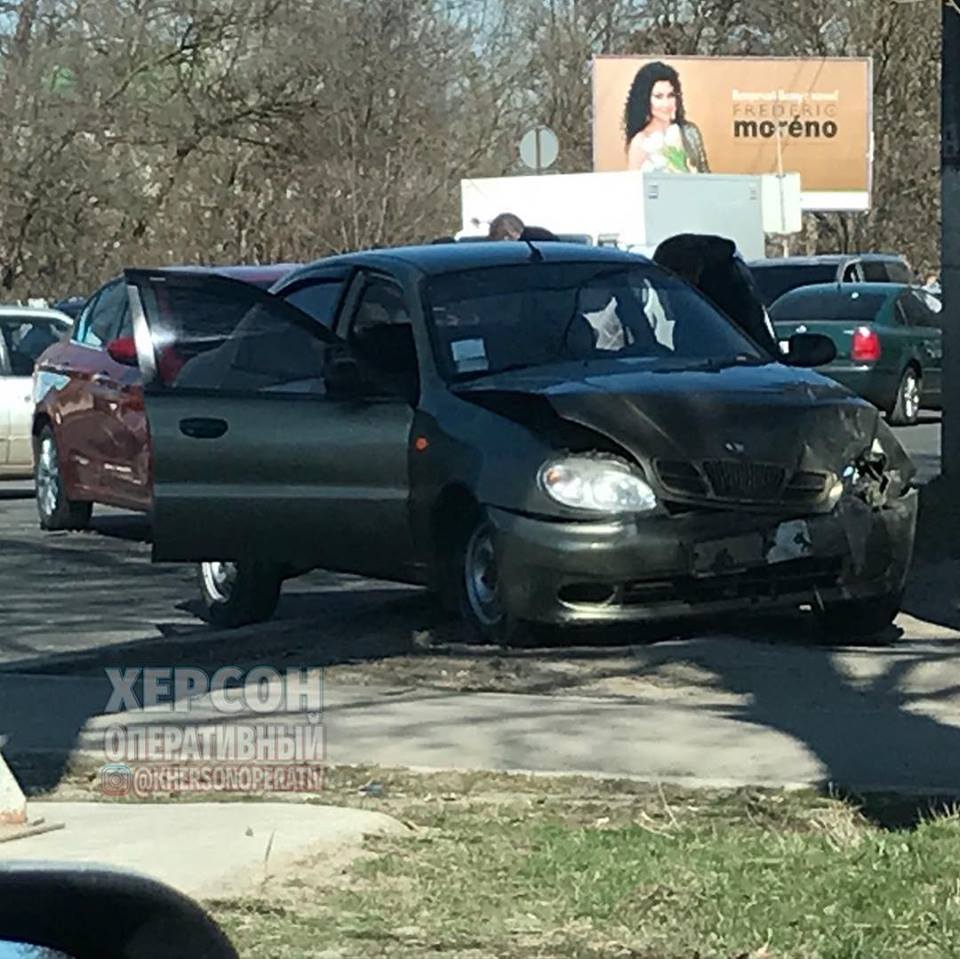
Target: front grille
point(743, 482)
point(795, 577)
point(731, 479)
point(806, 487)
point(681, 477)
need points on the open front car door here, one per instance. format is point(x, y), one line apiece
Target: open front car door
point(251, 455)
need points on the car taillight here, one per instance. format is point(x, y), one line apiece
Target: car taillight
point(866, 345)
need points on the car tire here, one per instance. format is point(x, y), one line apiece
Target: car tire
point(478, 592)
point(860, 619)
point(240, 593)
point(906, 405)
point(56, 511)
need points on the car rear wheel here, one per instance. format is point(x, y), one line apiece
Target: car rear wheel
point(906, 406)
point(55, 509)
point(236, 594)
point(481, 600)
point(859, 619)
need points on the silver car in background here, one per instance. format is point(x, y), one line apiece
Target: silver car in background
point(25, 332)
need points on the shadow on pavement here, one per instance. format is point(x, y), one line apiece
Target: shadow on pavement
point(856, 710)
point(933, 593)
point(133, 527)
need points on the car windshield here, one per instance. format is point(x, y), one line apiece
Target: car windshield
point(486, 321)
point(774, 281)
point(841, 306)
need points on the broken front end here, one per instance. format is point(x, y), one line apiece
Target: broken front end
point(724, 535)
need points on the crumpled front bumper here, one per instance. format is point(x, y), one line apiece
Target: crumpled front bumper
point(662, 567)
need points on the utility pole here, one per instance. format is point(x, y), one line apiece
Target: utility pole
point(950, 235)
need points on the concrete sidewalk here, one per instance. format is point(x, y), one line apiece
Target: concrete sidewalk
point(199, 848)
point(705, 711)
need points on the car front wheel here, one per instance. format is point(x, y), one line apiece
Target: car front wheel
point(236, 594)
point(906, 406)
point(859, 619)
point(56, 510)
point(480, 591)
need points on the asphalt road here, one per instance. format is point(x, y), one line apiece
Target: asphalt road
point(922, 442)
point(64, 593)
point(743, 701)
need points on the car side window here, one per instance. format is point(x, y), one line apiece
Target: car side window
point(875, 271)
point(102, 323)
point(380, 337)
point(224, 335)
point(25, 339)
point(897, 272)
point(83, 320)
point(851, 272)
point(126, 323)
point(916, 311)
point(317, 296)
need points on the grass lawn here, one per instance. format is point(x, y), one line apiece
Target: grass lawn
point(506, 867)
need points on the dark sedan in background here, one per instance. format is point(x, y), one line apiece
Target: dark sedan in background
point(544, 435)
point(90, 438)
point(888, 341)
point(776, 276)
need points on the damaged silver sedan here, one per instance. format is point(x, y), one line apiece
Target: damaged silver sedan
point(544, 434)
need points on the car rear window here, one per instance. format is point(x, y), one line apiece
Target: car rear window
point(774, 281)
point(840, 306)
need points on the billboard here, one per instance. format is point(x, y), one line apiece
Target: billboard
point(752, 115)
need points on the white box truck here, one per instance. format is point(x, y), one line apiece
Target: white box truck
point(632, 210)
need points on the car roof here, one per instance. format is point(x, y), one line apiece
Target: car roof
point(439, 258)
point(845, 289)
point(824, 259)
point(248, 272)
point(34, 312)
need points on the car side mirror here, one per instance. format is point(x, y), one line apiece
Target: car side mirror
point(810, 350)
point(123, 350)
point(344, 378)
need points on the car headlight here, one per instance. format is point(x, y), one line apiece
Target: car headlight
point(868, 468)
point(600, 485)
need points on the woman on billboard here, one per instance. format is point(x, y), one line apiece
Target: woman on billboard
point(659, 137)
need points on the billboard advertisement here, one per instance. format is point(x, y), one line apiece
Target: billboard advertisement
point(747, 115)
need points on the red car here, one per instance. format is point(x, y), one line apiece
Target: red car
point(90, 438)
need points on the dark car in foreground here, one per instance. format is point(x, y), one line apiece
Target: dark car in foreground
point(776, 276)
point(888, 341)
point(544, 435)
point(90, 438)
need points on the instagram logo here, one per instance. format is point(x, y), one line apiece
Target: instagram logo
point(115, 779)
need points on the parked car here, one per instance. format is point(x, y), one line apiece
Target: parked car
point(90, 437)
point(25, 332)
point(71, 305)
point(779, 275)
point(888, 340)
point(560, 434)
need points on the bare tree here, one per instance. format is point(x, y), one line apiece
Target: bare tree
point(170, 131)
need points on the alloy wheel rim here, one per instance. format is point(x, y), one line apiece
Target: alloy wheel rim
point(482, 576)
point(911, 396)
point(48, 477)
point(219, 579)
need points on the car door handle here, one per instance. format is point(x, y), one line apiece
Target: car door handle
point(202, 428)
point(101, 378)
